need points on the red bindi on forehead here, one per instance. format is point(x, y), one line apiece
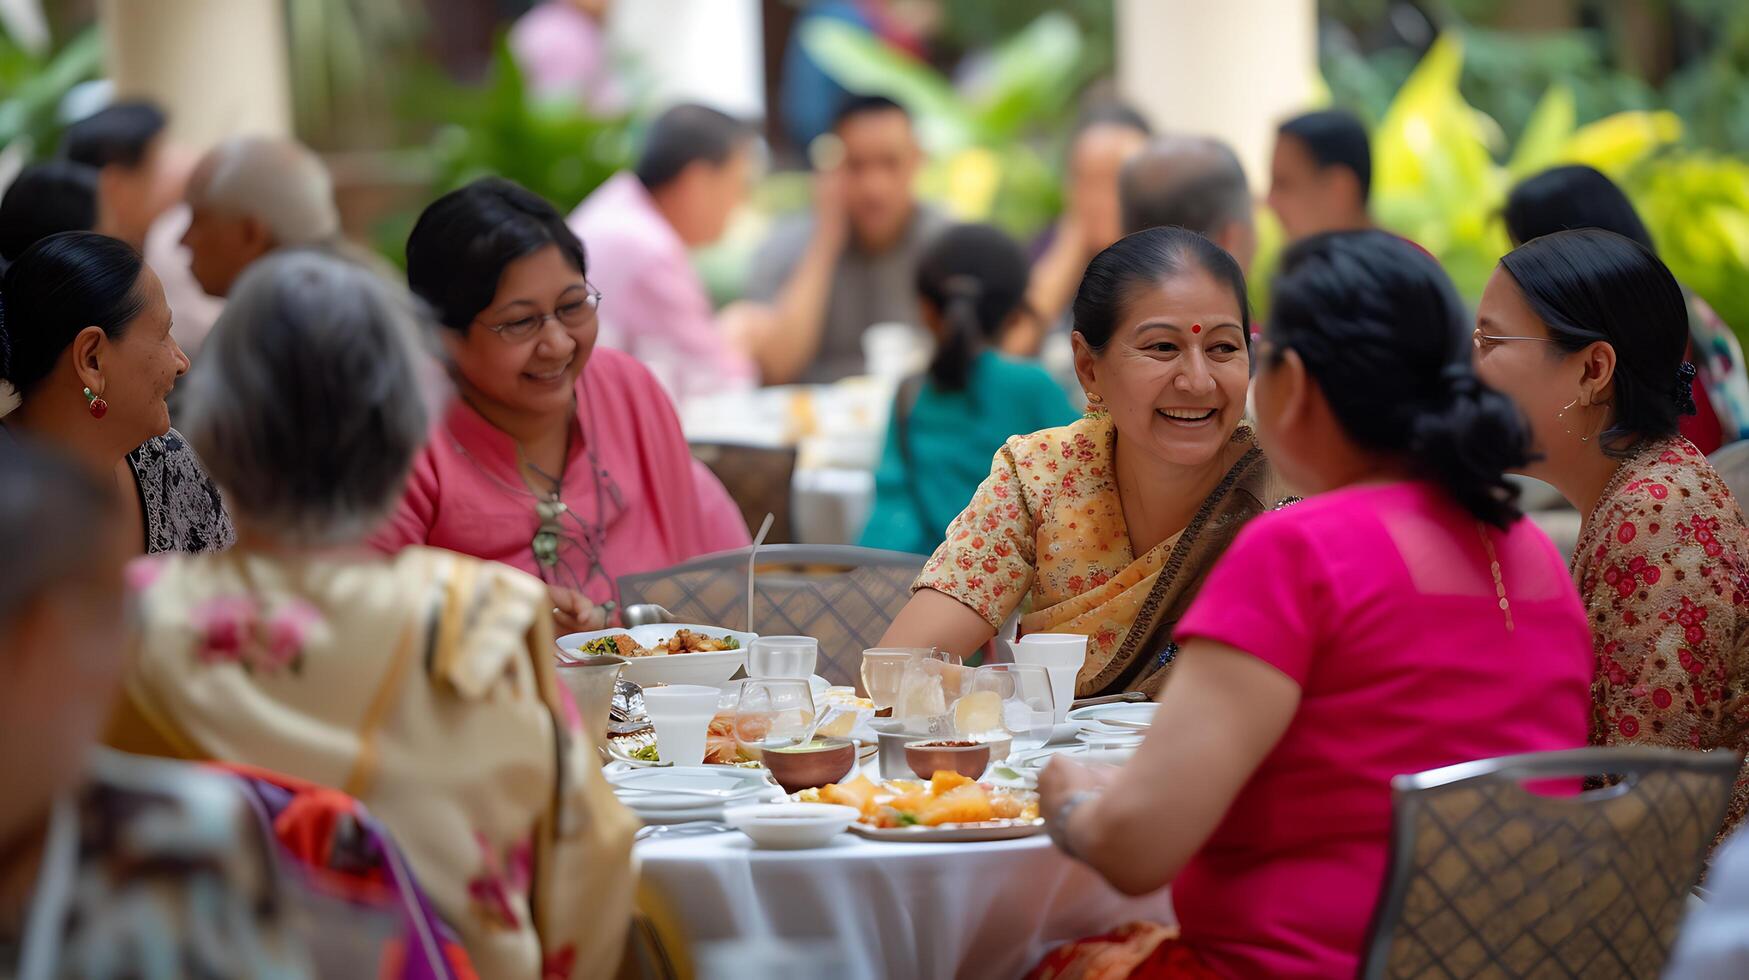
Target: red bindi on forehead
point(1196, 328)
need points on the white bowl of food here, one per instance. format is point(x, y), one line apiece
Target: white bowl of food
point(791, 826)
point(668, 653)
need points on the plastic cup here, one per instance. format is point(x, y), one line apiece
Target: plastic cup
point(783, 656)
point(1061, 655)
point(681, 714)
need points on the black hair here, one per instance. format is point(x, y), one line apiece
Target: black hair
point(1590, 285)
point(58, 287)
point(976, 276)
point(462, 242)
point(117, 135)
point(1140, 260)
point(53, 515)
point(1568, 197)
point(1382, 331)
point(1191, 182)
point(861, 105)
point(1111, 114)
point(1335, 138)
point(685, 135)
point(48, 197)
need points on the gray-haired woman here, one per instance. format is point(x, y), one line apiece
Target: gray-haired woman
point(421, 684)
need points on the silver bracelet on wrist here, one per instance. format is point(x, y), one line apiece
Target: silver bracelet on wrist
point(1057, 824)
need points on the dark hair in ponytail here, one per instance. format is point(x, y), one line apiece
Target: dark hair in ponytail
point(1591, 285)
point(976, 276)
point(58, 287)
point(1380, 328)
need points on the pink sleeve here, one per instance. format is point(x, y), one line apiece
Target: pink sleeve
point(411, 520)
point(673, 331)
point(1267, 596)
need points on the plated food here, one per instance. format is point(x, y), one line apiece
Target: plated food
point(948, 800)
point(683, 641)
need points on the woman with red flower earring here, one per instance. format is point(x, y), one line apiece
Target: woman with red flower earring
point(86, 361)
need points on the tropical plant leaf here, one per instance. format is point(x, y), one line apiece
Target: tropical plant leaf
point(1550, 128)
point(861, 62)
point(1615, 143)
point(28, 109)
point(1031, 75)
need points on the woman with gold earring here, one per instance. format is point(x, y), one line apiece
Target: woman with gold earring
point(1586, 331)
point(86, 361)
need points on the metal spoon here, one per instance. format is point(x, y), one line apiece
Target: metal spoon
point(645, 614)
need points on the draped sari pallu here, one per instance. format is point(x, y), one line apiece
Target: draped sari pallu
point(1047, 525)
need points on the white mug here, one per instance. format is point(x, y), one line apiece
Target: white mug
point(681, 714)
point(1061, 655)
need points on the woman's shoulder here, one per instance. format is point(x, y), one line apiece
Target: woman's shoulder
point(1083, 440)
point(621, 372)
point(182, 506)
point(1668, 480)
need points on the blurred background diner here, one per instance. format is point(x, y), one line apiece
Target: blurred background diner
point(416, 343)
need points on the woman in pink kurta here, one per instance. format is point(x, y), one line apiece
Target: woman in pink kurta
point(1403, 618)
point(557, 458)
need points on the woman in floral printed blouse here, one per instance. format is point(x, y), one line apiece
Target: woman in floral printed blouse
point(1108, 526)
point(421, 684)
point(1586, 330)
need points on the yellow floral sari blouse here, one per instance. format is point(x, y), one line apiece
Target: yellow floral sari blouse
point(422, 685)
point(1047, 525)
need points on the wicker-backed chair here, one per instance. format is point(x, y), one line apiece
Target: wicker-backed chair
point(758, 479)
point(1490, 879)
point(841, 595)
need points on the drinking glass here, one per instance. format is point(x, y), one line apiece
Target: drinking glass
point(1062, 654)
point(774, 713)
point(1027, 708)
point(783, 656)
point(883, 668)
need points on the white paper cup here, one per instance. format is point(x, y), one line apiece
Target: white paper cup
point(681, 714)
point(1061, 655)
point(783, 656)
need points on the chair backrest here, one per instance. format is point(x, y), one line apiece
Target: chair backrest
point(1732, 464)
point(758, 479)
point(841, 595)
point(1490, 879)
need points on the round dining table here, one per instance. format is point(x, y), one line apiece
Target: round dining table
point(890, 909)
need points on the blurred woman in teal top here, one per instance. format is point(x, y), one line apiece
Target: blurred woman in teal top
point(948, 422)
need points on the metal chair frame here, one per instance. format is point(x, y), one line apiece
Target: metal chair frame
point(1412, 794)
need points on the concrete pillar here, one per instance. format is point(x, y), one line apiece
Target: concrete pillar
point(218, 67)
point(1233, 69)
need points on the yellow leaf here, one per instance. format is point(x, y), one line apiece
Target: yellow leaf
point(1615, 143)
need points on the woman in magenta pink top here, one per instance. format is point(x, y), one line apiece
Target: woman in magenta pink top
point(559, 459)
point(1404, 617)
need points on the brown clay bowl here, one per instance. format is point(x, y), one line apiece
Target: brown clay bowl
point(930, 756)
point(822, 761)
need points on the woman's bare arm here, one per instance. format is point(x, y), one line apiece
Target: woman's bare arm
point(1220, 714)
point(936, 619)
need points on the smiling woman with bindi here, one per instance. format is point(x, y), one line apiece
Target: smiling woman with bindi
point(1110, 524)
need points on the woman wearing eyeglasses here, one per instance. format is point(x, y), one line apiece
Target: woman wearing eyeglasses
point(556, 458)
point(1586, 330)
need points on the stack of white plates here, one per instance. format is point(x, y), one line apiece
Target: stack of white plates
point(1115, 719)
point(677, 794)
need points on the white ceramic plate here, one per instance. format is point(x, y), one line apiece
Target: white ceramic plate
point(713, 669)
point(953, 832)
point(791, 826)
point(1134, 717)
point(688, 787)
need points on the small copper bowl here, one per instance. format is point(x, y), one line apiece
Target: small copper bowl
point(822, 761)
point(930, 756)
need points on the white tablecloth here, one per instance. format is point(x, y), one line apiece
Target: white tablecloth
point(988, 909)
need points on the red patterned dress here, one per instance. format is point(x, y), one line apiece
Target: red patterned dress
point(1663, 567)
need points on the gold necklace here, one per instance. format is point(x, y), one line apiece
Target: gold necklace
point(1499, 580)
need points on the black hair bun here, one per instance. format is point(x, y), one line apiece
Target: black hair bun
point(1684, 390)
